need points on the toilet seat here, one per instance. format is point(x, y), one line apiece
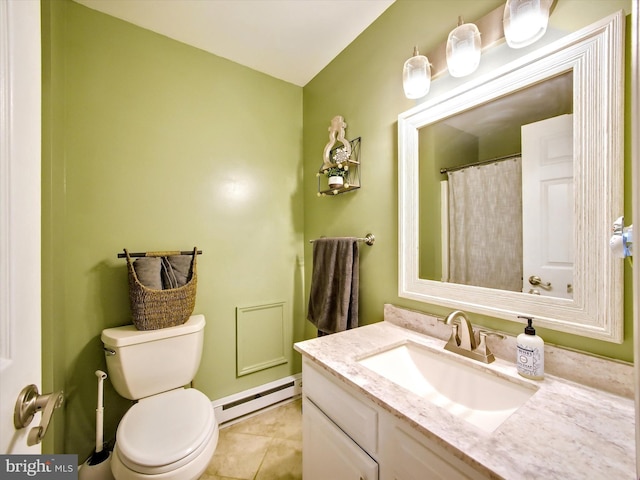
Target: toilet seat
point(163, 432)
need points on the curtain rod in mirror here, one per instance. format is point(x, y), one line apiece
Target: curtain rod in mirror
point(478, 164)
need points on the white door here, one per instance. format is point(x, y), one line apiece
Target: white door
point(19, 213)
point(547, 206)
point(328, 452)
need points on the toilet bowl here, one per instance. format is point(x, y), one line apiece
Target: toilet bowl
point(168, 436)
point(171, 432)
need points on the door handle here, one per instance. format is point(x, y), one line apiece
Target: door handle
point(28, 404)
point(536, 280)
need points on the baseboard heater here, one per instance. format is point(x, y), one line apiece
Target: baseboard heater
point(255, 399)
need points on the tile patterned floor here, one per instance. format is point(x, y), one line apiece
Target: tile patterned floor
point(267, 446)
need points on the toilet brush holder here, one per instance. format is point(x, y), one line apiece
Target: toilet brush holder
point(97, 467)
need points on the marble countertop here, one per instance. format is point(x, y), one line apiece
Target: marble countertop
point(564, 431)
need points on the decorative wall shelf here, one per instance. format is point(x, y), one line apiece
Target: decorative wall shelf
point(352, 177)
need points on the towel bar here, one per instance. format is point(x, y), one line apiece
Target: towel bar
point(369, 239)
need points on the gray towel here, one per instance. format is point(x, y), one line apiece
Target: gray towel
point(181, 265)
point(168, 275)
point(148, 272)
point(162, 273)
point(333, 300)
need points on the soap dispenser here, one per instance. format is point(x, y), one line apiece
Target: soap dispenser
point(530, 354)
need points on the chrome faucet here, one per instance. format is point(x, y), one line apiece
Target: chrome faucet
point(463, 340)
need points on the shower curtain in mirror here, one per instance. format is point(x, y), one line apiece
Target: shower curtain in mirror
point(485, 225)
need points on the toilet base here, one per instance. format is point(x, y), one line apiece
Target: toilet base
point(190, 471)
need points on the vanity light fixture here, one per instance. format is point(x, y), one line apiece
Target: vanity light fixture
point(525, 21)
point(463, 49)
point(416, 76)
point(520, 22)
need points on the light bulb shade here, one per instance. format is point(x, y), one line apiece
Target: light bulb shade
point(416, 77)
point(463, 50)
point(525, 21)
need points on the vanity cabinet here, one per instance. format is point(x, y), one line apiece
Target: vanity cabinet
point(346, 436)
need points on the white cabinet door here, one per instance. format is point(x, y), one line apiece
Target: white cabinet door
point(408, 455)
point(328, 453)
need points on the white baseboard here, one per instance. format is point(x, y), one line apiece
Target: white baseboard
point(245, 403)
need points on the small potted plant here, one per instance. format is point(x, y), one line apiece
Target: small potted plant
point(336, 175)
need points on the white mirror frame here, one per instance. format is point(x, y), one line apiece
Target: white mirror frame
point(596, 56)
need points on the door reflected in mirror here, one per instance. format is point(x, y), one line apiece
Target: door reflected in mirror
point(500, 228)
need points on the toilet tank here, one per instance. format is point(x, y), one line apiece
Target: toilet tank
point(146, 362)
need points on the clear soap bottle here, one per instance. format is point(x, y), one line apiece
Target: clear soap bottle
point(530, 354)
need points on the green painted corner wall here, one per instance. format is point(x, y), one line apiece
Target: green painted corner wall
point(154, 145)
point(364, 85)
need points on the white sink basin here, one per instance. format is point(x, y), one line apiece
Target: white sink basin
point(480, 397)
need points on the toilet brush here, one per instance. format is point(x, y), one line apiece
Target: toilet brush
point(98, 465)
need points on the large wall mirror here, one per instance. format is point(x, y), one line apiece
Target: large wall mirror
point(509, 185)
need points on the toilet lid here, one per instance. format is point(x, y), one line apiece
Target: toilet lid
point(165, 428)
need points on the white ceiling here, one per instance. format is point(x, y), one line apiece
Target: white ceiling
point(291, 40)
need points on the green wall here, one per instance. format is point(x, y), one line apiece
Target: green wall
point(150, 144)
point(364, 85)
point(154, 145)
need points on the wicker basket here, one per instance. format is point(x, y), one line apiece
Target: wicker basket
point(152, 309)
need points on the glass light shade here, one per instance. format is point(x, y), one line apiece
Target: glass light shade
point(416, 76)
point(463, 50)
point(525, 21)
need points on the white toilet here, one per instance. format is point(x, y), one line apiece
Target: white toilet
point(171, 432)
